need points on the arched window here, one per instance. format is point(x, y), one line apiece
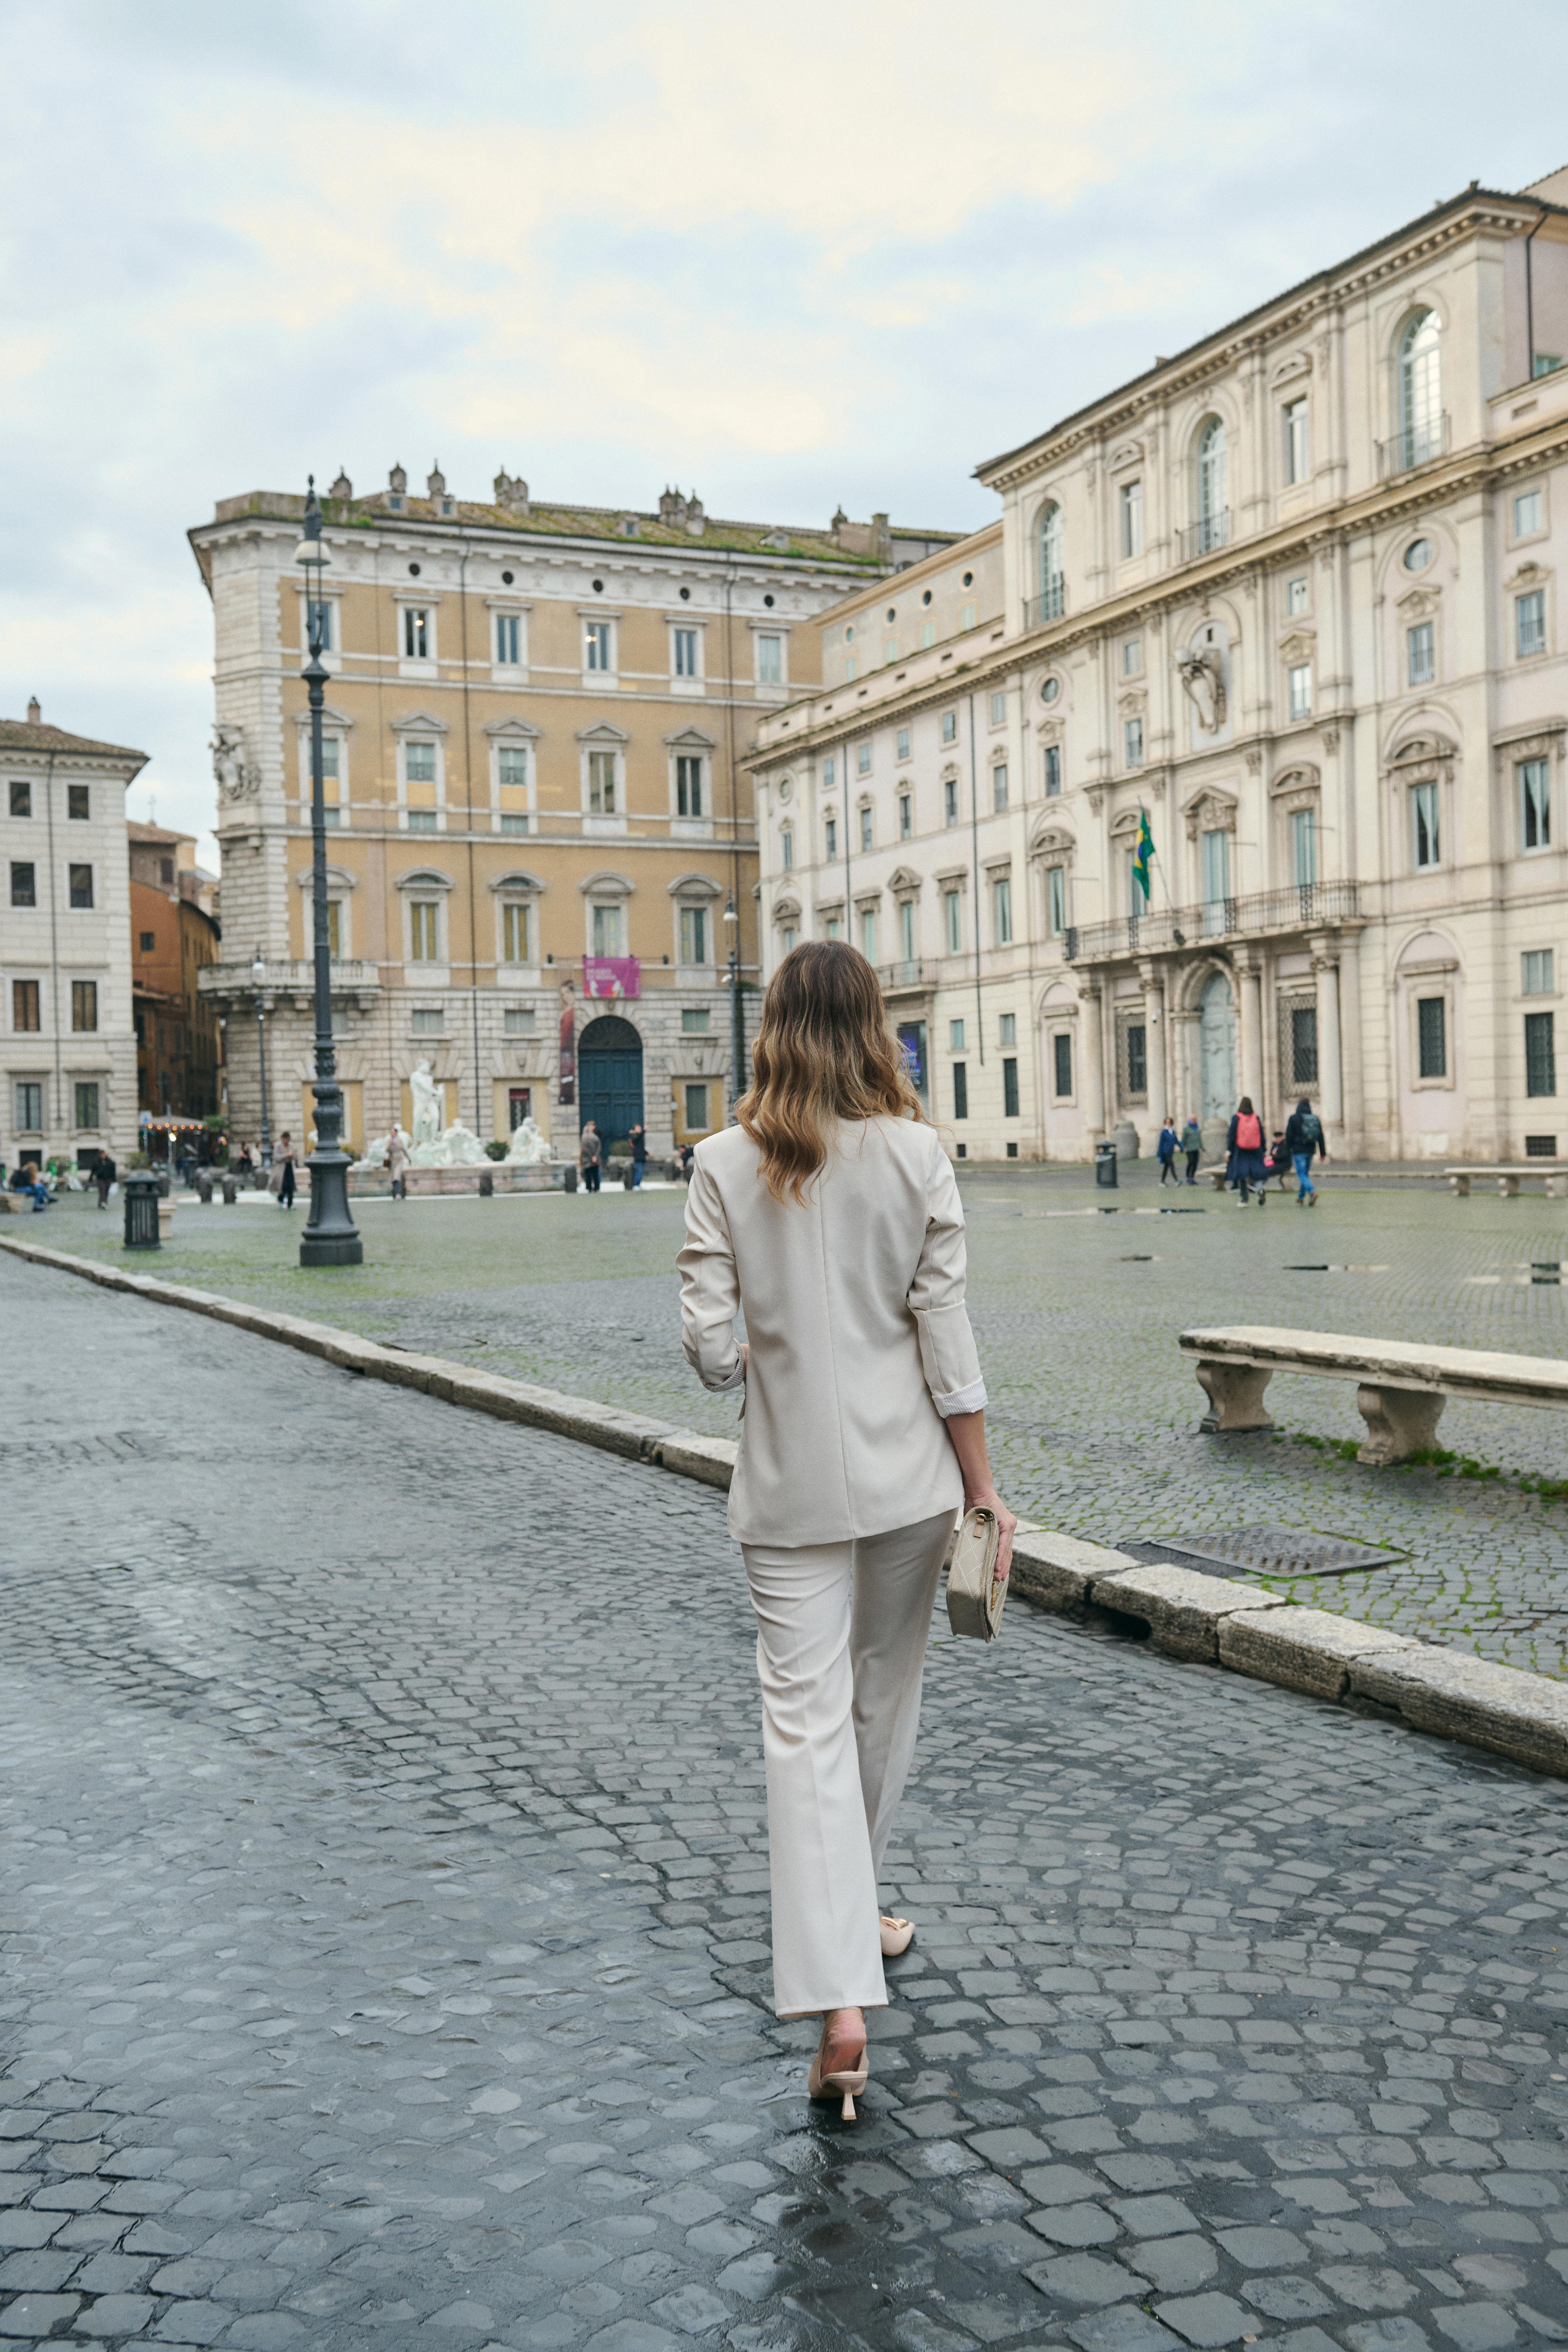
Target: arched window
point(1053, 598)
point(1214, 511)
point(1421, 390)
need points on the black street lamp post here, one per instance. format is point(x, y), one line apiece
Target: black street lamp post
point(331, 1236)
point(259, 974)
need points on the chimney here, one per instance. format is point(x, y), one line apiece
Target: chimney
point(35, 714)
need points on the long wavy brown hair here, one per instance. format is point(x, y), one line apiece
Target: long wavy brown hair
point(824, 1052)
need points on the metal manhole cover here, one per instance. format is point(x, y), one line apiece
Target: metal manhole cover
point(1266, 1551)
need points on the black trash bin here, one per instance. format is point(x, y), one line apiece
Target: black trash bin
point(141, 1194)
point(1105, 1165)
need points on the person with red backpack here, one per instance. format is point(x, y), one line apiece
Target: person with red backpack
point(1246, 1142)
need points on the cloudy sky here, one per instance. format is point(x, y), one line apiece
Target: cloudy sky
point(789, 258)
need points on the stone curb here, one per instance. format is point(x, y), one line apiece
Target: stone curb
point(1213, 1620)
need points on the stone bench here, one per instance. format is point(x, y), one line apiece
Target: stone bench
point(1509, 1177)
point(1401, 1389)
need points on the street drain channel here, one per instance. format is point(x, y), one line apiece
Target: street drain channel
point(1266, 1551)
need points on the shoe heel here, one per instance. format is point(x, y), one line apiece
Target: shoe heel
point(847, 2113)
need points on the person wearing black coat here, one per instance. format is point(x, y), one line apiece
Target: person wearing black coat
point(1303, 1136)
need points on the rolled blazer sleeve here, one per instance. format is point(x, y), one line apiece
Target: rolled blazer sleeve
point(947, 1354)
point(709, 1288)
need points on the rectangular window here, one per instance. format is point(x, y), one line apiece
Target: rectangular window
point(30, 1106)
point(952, 906)
point(1421, 653)
point(1061, 1064)
point(1296, 455)
point(1535, 802)
point(1053, 769)
point(959, 1090)
point(865, 828)
point(84, 1004)
point(1002, 896)
point(330, 759)
point(890, 651)
point(86, 1102)
point(830, 833)
point(79, 803)
point(828, 776)
point(1537, 972)
point(149, 942)
point(514, 928)
point(1132, 657)
point(868, 934)
point(1300, 684)
point(1432, 1035)
point(1132, 519)
point(851, 669)
point(1132, 742)
point(1297, 596)
point(688, 785)
point(685, 650)
point(416, 634)
point(697, 1107)
point(906, 817)
point(950, 726)
point(1528, 514)
point(1530, 624)
point(422, 821)
point(950, 801)
point(24, 1004)
point(907, 929)
point(694, 1021)
point(334, 927)
point(1008, 1031)
point(596, 645)
point(1009, 1087)
point(999, 786)
point(998, 708)
point(770, 661)
point(511, 763)
point(517, 1021)
point(1056, 901)
point(508, 639)
point(1423, 818)
point(1217, 880)
point(1137, 1038)
point(606, 930)
point(424, 915)
point(318, 623)
point(1304, 846)
point(420, 763)
point(21, 799)
point(694, 935)
point(832, 927)
point(862, 759)
point(519, 1106)
point(602, 783)
point(80, 879)
point(956, 1036)
point(786, 848)
point(928, 635)
point(966, 617)
point(1539, 1054)
point(903, 743)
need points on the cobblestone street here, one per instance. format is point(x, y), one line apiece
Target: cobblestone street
point(1093, 1415)
point(385, 1896)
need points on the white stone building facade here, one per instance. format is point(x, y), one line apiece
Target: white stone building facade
point(1291, 599)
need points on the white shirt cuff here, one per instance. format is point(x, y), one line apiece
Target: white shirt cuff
point(968, 1399)
point(733, 1378)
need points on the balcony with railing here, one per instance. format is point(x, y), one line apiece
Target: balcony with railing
point(1412, 445)
point(1204, 537)
point(1050, 606)
point(914, 978)
point(1303, 907)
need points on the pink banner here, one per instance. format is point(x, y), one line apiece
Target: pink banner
point(611, 976)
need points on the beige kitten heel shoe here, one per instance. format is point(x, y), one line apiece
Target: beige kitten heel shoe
point(898, 1935)
point(841, 2082)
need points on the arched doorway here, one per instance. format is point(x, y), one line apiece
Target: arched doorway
point(609, 1077)
point(1216, 1047)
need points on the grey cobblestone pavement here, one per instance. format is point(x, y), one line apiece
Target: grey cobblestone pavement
point(1094, 1414)
point(384, 1932)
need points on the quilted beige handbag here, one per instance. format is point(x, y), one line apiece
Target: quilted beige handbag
point(975, 1594)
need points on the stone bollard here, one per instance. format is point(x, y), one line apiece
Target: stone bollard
point(230, 1192)
point(569, 1179)
point(487, 1184)
point(205, 1187)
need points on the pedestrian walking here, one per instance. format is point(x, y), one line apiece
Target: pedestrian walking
point(1246, 1143)
point(1303, 1137)
point(639, 1154)
point(830, 1217)
point(1193, 1145)
point(104, 1172)
point(397, 1160)
point(1166, 1151)
point(684, 1157)
point(590, 1153)
point(283, 1171)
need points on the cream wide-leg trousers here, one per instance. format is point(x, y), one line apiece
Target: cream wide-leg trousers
point(841, 1641)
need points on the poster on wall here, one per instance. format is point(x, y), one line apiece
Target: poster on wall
point(611, 976)
point(568, 1042)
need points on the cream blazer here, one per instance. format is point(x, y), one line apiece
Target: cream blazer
point(858, 1335)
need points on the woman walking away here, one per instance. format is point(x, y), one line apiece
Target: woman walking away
point(1303, 1136)
point(1166, 1149)
point(1246, 1142)
point(829, 1216)
point(1193, 1145)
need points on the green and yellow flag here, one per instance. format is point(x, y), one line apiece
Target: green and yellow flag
point(1143, 856)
